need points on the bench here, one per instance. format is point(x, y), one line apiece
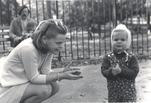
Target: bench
point(4, 39)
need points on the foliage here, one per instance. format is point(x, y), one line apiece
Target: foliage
point(129, 8)
point(89, 12)
point(8, 10)
point(81, 12)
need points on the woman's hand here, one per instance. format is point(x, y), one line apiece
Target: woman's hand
point(72, 74)
point(70, 69)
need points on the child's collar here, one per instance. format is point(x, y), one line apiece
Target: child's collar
point(116, 52)
point(122, 54)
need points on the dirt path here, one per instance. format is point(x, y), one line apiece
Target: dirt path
point(90, 89)
point(143, 82)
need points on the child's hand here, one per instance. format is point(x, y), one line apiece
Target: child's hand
point(116, 70)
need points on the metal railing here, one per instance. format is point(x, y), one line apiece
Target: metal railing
point(90, 23)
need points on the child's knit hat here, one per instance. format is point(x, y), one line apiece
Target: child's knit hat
point(122, 27)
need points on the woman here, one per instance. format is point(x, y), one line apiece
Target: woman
point(26, 75)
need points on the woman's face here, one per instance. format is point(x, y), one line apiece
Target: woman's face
point(55, 44)
point(119, 40)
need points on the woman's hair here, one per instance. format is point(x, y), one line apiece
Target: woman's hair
point(22, 8)
point(49, 28)
point(123, 28)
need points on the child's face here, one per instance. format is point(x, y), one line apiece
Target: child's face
point(55, 44)
point(119, 40)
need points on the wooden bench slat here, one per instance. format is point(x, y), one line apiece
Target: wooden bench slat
point(3, 39)
point(4, 27)
point(4, 33)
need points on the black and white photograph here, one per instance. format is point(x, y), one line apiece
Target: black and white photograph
point(75, 51)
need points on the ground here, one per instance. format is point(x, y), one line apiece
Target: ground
point(92, 88)
point(143, 82)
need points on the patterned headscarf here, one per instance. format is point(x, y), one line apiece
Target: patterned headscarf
point(122, 27)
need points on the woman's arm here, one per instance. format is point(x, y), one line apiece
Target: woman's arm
point(58, 76)
point(30, 63)
point(29, 58)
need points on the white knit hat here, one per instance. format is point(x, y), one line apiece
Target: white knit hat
point(122, 27)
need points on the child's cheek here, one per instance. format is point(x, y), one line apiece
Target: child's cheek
point(124, 45)
point(114, 46)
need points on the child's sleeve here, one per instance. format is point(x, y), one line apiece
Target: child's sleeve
point(132, 70)
point(105, 68)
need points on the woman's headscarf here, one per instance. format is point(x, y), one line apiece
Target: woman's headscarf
point(124, 28)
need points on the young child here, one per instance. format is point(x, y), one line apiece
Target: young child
point(120, 67)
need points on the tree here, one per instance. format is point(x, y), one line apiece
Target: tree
point(129, 8)
point(8, 10)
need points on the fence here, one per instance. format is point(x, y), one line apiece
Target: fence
point(90, 23)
